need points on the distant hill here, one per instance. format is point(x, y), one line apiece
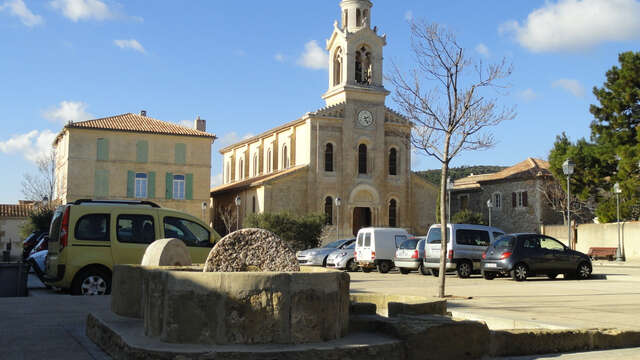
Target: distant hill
point(433, 176)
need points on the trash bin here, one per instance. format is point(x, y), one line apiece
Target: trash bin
point(13, 279)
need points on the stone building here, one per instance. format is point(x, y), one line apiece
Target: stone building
point(518, 204)
point(135, 157)
point(355, 149)
point(12, 217)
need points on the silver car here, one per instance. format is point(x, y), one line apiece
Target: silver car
point(318, 256)
point(343, 259)
point(409, 255)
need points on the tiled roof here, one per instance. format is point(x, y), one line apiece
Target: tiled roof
point(534, 167)
point(137, 123)
point(15, 211)
point(254, 181)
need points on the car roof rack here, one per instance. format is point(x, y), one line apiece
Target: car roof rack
point(116, 202)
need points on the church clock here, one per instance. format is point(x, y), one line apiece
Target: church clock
point(365, 118)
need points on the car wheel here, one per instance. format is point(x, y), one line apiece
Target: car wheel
point(519, 272)
point(92, 281)
point(352, 266)
point(584, 271)
point(489, 275)
point(552, 276)
point(384, 267)
point(366, 269)
point(434, 272)
point(423, 270)
point(464, 269)
point(404, 271)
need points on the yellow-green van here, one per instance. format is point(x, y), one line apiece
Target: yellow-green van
point(88, 237)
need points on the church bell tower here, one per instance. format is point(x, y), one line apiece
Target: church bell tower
point(355, 57)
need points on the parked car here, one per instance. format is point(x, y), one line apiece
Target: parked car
point(465, 246)
point(30, 241)
point(87, 238)
point(36, 260)
point(525, 255)
point(410, 254)
point(318, 256)
point(343, 259)
point(376, 247)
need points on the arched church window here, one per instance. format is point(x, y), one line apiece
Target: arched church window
point(365, 17)
point(393, 161)
point(269, 161)
point(328, 158)
point(241, 169)
point(285, 157)
point(337, 67)
point(362, 159)
point(255, 165)
point(328, 210)
point(364, 67)
point(228, 177)
point(345, 19)
point(358, 18)
point(393, 213)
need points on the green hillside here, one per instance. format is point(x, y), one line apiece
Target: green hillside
point(433, 176)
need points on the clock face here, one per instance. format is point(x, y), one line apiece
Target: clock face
point(365, 118)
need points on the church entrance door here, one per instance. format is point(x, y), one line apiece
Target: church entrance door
point(361, 219)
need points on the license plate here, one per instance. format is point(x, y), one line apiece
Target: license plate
point(491, 265)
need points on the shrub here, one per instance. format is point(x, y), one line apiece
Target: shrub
point(468, 217)
point(298, 231)
point(39, 220)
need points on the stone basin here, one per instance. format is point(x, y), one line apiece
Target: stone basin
point(186, 305)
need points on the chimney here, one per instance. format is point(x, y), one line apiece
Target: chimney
point(200, 125)
point(143, 113)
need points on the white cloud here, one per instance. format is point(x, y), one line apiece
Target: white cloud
point(570, 85)
point(130, 44)
point(32, 145)
point(408, 15)
point(575, 25)
point(77, 10)
point(279, 57)
point(67, 111)
point(528, 95)
point(229, 139)
point(314, 57)
point(185, 123)
point(19, 9)
point(483, 50)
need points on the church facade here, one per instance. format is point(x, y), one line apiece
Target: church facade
point(350, 160)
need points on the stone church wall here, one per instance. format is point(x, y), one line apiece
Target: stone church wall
point(424, 203)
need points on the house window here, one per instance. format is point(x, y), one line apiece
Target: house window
point(328, 158)
point(362, 159)
point(269, 161)
point(464, 202)
point(519, 199)
point(497, 200)
point(141, 185)
point(102, 149)
point(328, 210)
point(178, 187)
point(393, 208)
point(393, 162)
point(285, 157)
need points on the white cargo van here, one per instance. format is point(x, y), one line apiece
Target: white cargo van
point(376, 247)
point(465, 246)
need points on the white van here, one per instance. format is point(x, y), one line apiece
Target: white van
point(464, 256)
point(376, 247)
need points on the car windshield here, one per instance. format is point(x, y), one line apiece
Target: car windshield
point(504, 243)
point(409, 244)
point(352, 246)
point(435, 236)
point(335, 244)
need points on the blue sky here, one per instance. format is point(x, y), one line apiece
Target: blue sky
point(247, 67)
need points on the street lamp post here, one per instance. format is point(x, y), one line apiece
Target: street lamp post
point(338, 203)
point(618, 191)
point(449, 188)
point(238, 202)
point(489, 205)
point(567, 167)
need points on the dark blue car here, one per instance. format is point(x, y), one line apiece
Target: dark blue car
point(525, 255)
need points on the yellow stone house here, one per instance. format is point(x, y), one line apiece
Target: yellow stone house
point(355, 149)
point(135, 157)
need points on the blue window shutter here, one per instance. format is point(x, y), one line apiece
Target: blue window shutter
point(188, 192)
point(151, 187)
point(181, 154)
point(169, 186)
point(103, 149)
point(142, 151)
point(101, 184)
point(131, 184)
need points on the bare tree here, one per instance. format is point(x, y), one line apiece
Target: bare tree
point(443, 95)
point(556, 198)
point(36, 186)
point(229, 218)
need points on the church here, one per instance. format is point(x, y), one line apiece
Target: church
point(350, 160)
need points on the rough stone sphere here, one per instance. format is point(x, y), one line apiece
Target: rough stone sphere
point(251, 250)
